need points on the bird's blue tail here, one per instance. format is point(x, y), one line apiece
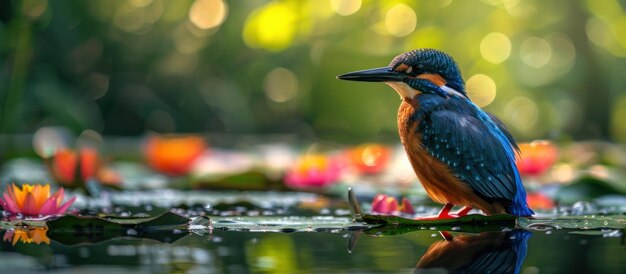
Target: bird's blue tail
point(518, 207)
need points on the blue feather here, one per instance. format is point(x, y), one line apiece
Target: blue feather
point(519, 206)
point(476, 148)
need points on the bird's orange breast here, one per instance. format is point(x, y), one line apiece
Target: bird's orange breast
point(439, 182)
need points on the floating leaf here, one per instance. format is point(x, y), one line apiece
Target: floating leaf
point(587, 222)
point(287, 224)
point(396, 225)
point(71, 229)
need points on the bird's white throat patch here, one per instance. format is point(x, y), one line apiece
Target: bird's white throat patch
point(404, 90)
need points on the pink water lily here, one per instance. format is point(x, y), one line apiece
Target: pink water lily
point(34, 200)
point(384, 204)
point(313, 171)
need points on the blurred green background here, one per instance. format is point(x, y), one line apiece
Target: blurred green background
point(548, 69)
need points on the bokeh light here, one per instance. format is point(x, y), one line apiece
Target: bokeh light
point(272, 27)
point(137, 20)
point(400, 20)
point(280, 85)
point(495, 47)
point(34, 8)
point(48, 140)
point(216, 66)
point(206, 14)
point(345, 7)
point(522, 113)
point(481, 89)
point(535, 52)
point(185, 41)
point(564, 53)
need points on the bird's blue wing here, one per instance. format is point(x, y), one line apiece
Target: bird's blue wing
point(504, 130)
point(459, 138)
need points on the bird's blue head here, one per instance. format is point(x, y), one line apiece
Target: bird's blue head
point(417, 71)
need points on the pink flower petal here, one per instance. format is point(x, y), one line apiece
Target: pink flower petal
point(8, 236)
point(30, 208)
point(10, 204)
point(65, 206)
point(59, 196)
point(49, 207)
point(377, 202)
point(390, 205)
point(406, 207)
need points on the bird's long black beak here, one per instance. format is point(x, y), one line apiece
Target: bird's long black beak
point(385, 74)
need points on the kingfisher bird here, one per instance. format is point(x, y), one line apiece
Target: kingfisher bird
point(461, 154)
point(487, 252)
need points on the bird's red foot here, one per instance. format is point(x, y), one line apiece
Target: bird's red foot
point(445, 213)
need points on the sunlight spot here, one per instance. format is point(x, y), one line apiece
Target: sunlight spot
point(566, 52)
point(495, 47)
point(535, 52)
point(136, 20)
point(400, 20)
point(522, 113)
point(481, 89)
point(345, 7)
point(48, 140)
point(206, 14)
point(280, 85)
point(272, 27)
point(563, 173)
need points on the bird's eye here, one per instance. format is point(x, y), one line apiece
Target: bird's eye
point(409, 70)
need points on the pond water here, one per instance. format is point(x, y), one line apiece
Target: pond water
point(343, 247)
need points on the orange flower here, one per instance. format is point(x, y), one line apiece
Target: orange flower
point(66, 161)
point(370, 158)
point(174, 155)
point(35, 235)
point(34, 200)
point(387, 205)
point(536, 157)
point(313, 170)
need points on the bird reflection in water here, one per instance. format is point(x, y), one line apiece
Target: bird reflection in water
point(487, 252)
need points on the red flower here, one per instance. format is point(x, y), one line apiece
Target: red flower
point(538, 200)
point(174, 156)
point(536, 157)
point(388, 205)
point(370, 158)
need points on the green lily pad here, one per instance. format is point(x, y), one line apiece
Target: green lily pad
point(396, 225)
point(589, 222)
point(71, 229)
